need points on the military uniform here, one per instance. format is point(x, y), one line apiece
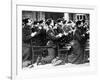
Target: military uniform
point(51, 38)
point(26, 43)
point(59, 29)
point(38, 40)
point(77, 54)
point(64, 38)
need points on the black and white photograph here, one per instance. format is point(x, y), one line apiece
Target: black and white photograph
point(52, 39)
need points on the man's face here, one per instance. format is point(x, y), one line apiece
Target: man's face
point(29, 22)
point(82, 23)
point(52, 22)
point(36, 25)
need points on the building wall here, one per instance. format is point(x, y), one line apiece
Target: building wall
point(33, 15)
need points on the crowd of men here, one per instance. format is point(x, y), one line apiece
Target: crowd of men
point(60, 33)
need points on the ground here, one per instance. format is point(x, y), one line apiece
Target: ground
point(50, 66)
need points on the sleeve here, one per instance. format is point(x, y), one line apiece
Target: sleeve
point(51, 35)
point(59, 30)
point(26, 34)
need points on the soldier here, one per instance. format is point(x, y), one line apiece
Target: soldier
point(63, 30)
point(41, 24)
point(63, 42)
point(60, 26)
point(26, 41)
point(40, 33)
point(51, 37)
point(67, 27)
point(77, 54)
point(39, 38)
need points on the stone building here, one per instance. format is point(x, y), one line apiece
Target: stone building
point(34, 15)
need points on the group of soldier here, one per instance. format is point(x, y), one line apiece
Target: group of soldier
point(60, 33)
